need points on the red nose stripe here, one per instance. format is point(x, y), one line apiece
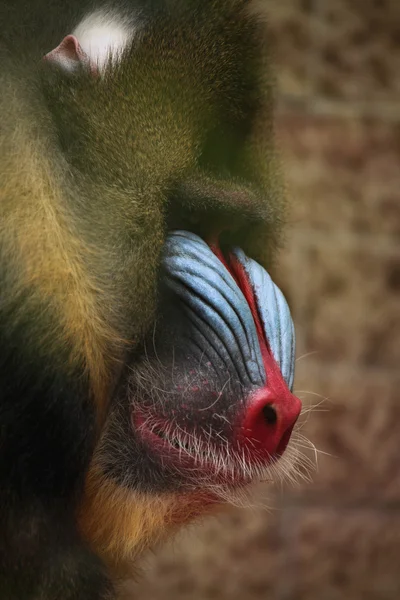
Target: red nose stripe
point(257, 429)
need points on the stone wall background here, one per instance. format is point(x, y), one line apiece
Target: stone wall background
point(338, 125)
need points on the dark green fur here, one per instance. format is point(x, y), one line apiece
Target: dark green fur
point(178, 134)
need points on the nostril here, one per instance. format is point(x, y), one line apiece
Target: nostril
point(268, 421)
point(269, 414)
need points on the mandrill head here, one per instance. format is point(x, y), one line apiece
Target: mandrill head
point(148, 357)
point(209, 407)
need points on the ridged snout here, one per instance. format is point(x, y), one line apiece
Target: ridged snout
point(237, 319)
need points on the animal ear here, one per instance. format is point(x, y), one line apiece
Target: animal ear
point(69, 56)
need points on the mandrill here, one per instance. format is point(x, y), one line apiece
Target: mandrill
point(146, 357)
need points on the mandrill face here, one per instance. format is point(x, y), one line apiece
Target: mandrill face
point(207, 407)
point(145, 377)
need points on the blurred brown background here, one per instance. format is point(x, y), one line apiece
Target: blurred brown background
point(338, 125)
